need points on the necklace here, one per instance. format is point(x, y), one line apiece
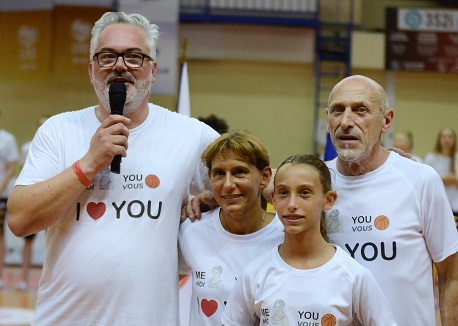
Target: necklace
point(226, 226)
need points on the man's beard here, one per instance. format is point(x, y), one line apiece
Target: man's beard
point(135, 95)
point(349, 154)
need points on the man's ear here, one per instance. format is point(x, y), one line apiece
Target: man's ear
point(388, 120)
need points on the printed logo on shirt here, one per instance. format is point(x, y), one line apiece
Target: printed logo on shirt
point(277, 316)
point(215, 282)
point(381, 222)
point(333, 223)
point(105, 181)
point(364, 223)
point(137, 181)
point(328, 320)
point(361, 223)
point(208, 307)
point(309, 318)
point(96, 210)
point(133, 209)
point(369, 251)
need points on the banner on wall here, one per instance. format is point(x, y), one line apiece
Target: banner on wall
point(72, 34)
point(25, 39)
point(422, 40)
point(163, 13)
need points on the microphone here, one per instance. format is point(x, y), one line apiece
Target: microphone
point(117, 95)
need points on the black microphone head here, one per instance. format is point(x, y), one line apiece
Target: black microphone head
point(117, 95)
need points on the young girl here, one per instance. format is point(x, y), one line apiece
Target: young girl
point(216, 248)
point(305, 281)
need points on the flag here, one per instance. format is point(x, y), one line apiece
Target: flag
point(184, 107)
point(329, 151)
point(184, 103)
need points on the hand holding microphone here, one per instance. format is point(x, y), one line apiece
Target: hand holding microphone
point(117, 95)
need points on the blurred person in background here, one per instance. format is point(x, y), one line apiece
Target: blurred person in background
point(404, 141)
point(444, 159)
point(219, 124)
point(9, 157)
point(23, 284)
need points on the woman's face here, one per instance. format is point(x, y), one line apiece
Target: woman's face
point(447, 139)
point(237, 184)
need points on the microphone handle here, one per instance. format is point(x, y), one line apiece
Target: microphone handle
point(117, 96)
point(116, 164)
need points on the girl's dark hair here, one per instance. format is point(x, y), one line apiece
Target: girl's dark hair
point(325, 179)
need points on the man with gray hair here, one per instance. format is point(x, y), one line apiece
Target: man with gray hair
point(393, 214)
point(111, 252)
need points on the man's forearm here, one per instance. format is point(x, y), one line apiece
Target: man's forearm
point(35, 207)
point(448, 293)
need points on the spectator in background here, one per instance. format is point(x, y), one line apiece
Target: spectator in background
point(23, 284)
point(444, 160)
point(9, 157)
point(25, 147)
point(404, 142)
point(219, 124)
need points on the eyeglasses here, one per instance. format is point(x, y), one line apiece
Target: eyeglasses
point(131, 59)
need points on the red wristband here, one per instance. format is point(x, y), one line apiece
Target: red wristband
point(79, 173)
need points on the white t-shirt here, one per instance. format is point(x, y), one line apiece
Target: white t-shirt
point(215, 258)
point(24, 151)
point(395, 221)
point(113, 258)
point(8, 153)
point(273, 293)
point(441, 163)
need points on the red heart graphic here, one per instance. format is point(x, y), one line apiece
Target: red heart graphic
point(96, 210)
point(209, 307)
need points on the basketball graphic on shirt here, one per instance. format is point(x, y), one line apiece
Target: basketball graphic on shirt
point(152, 181)
point(328, 320)
point(381, 222)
